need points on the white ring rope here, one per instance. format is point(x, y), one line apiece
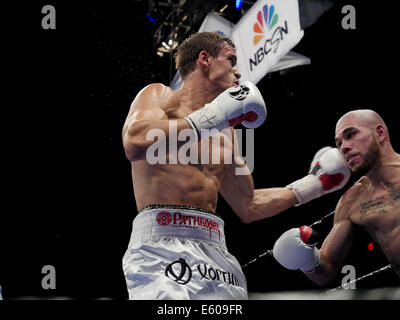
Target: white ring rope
point(269, 252)
point(343, 286)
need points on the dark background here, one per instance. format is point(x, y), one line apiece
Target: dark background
point(69, 200)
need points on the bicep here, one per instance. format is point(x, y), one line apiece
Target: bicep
point(338, 243)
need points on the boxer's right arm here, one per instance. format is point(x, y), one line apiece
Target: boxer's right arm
point(227, 109)
point(146, 113)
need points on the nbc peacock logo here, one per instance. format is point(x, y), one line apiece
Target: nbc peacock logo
point(268, 35)
point(266, 19)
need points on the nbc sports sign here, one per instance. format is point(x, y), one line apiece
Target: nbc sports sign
point(268, 31)
point(267, 18)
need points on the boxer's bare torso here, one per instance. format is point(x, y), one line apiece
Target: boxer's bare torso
point(194, 184)
point(376, 207)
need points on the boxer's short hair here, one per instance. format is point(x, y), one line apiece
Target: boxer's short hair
point(188, 51)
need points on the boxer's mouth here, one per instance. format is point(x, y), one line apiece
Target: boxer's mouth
point(350, 157)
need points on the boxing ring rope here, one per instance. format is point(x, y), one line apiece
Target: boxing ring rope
point(322, 219)
point(358, 279)
point(269, 252)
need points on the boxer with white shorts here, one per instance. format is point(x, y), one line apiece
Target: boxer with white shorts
point(181, 251)
point(177, 249)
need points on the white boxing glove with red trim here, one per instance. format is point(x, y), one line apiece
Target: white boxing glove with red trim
point(328, 172)
point(239, 104)
point(295, 249)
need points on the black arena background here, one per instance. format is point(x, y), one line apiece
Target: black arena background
point(69, 201)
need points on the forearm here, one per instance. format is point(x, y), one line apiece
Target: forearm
point(323, 273)
point(269, 202)
point(141, 134)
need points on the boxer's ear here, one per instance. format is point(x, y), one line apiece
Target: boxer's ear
point(204, 58)
point(380, 132)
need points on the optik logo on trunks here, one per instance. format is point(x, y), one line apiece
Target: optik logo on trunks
point(210, 273)
point(180, 272)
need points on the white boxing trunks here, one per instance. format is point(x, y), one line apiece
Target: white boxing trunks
point(179, 252)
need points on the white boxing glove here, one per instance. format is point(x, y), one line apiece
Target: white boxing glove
point(239, 104)
point(292, 251)
point(328, 172)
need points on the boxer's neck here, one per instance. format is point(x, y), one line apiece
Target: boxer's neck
point(384, 169)
point(196, 91)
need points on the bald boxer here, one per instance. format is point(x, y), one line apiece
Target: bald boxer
point(372, 202)
point(177, 248)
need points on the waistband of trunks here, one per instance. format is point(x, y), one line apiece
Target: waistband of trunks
point(158, 221)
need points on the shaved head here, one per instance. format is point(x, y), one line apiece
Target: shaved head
point(365, 117)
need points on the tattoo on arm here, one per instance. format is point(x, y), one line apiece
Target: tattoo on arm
point(395, 193)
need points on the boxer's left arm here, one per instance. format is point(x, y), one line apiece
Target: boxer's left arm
point(319, 265)
point(328, 172)
point(252, 205)
point(237, 188)
point(335, 247)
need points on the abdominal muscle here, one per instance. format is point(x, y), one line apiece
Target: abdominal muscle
point(176, 184)
point(185, 184)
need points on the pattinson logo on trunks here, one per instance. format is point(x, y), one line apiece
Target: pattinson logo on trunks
point(179, 220)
